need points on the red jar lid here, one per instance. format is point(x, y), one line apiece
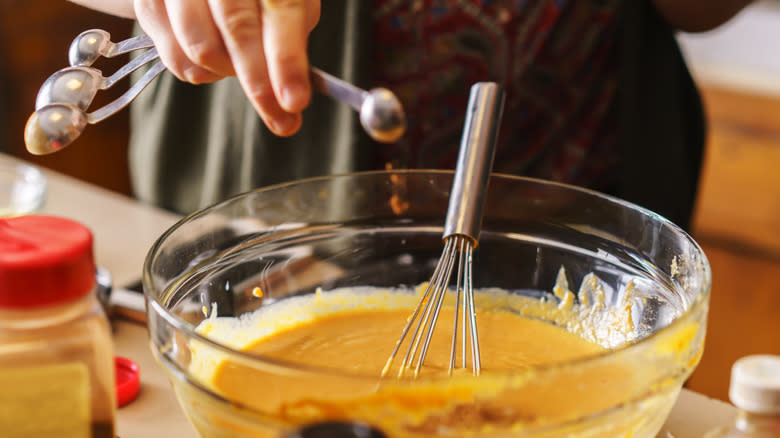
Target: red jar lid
point(44, 260)
point(128, 380)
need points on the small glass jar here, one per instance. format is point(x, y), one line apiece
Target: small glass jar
point(755, 391)
point(56, 352)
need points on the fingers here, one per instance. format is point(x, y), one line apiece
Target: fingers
point(262, 42)
point(284, 38)
point(312, 14)
point(153, 17)
point(240, 24)
point(198, 36)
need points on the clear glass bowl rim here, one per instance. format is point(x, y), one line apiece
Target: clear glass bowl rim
point(28, 175)
point(268, 362)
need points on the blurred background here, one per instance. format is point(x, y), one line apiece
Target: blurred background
point(737, 222)
point(737, 218)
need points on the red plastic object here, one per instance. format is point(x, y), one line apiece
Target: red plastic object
point(44, 260)
point(128, 380)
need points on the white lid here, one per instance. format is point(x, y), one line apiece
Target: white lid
point(755, 384)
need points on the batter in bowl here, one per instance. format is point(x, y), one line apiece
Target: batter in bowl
point(352, 331)
point(359, 342)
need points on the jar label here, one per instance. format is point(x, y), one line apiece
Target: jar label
point(45, 401)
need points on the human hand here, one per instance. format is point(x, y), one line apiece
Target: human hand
point(261, 42)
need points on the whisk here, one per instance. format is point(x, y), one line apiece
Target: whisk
point(461, 236)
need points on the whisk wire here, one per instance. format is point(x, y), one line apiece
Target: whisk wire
point(472, 314)
point(455, 319)
point(461, 236)
point(423, 303)
point(440, 289)
point(432, 294)
point(457, 251)
point(464, 304)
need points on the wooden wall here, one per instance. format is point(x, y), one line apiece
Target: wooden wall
point(34, 40)
point(737, 223)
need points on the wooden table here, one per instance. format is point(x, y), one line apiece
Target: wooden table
point(124, 231)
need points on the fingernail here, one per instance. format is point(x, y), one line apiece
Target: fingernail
point(294, 97)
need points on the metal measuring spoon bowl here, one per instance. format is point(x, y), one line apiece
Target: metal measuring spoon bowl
point(92, 44)
point(382, 115)
point(77, 86)
point(52, 127)
point(89, 46)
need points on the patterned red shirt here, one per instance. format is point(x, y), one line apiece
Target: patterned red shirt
point(555, 58)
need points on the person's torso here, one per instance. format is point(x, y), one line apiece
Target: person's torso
point(555, 58)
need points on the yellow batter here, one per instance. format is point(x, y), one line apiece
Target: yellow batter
point(361, 342)
point(353, 331)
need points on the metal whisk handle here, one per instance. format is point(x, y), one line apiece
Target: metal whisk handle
point(475, 160)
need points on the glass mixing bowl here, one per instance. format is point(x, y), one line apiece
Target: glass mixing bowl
point(22, 188)
point(640, 284)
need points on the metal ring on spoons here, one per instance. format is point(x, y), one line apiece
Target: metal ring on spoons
point(63, 99)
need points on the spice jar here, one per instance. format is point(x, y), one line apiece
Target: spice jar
point(56, 354)
point(755, 391)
